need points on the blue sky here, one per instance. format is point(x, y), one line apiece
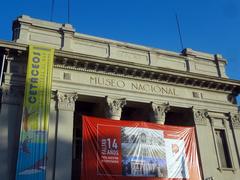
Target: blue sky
point(211, 26)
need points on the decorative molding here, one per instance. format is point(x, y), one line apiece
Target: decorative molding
point(235, 120)
point(81, 63)
point(12, 95)
point(200, 116)
point(114, 107)
point(147, 74)
point(159, 112)
point(76, 61)
point(218, 115)
point(66, 101)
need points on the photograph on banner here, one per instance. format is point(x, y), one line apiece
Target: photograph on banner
point(143, 152)
point(176, 158)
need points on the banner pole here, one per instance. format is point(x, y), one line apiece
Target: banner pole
point(2, 69)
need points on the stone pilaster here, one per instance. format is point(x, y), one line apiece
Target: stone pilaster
point(159, 111)
point(113, 109)
point(52, 137)
point(200, 116)
point(235, 123)
point(64, 133)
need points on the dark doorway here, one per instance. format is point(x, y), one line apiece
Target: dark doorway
point(135, 112)
point(81, 108)
point(179, 117)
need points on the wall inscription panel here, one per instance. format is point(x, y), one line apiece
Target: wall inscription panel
point(102, 82)
point(132, 85)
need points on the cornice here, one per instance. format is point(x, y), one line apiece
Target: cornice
point(149, 73)
point(77, 61)
point(91, 59)
point(13, 45)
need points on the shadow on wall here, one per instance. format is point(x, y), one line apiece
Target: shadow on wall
point(61, 163)
point(3, 144)
point(0, 97)
point(59, 148)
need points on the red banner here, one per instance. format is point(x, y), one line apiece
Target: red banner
point(132, 149)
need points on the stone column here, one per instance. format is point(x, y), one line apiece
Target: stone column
point(64, 135)
point(204, 138)
point(158, 113)
point(113, 109)
point(52, 136)
point(10, 122)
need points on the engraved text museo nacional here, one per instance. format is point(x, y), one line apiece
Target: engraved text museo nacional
point(132, 85)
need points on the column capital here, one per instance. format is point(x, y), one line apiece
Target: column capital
point(114, 107)
point(66, 100)
point(235, 120)
point(200, 116)
point(159, 112)
point(12, 95)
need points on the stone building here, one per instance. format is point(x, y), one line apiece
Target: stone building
point(106, 78)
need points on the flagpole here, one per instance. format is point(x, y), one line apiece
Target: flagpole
point(3, 63)
point(179, 31)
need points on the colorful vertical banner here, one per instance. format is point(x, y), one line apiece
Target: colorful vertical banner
point(32, 153)
point(119, 150)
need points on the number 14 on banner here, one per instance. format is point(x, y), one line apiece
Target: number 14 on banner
point(109, 146)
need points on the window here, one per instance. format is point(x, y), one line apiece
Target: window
point(223, 149)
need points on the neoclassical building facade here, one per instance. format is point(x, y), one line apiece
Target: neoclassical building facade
point(122, 81)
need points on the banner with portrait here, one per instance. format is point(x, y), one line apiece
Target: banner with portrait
point(132, 149)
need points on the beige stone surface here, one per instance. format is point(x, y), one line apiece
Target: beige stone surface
point(63, 36)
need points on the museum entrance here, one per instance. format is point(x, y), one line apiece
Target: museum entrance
point(133, 111)
point(81, 108)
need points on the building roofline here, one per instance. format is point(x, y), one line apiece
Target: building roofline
point(10, 45)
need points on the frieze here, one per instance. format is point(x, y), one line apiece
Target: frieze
point(132, 85)
point(119, 70)
point(113, 82)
